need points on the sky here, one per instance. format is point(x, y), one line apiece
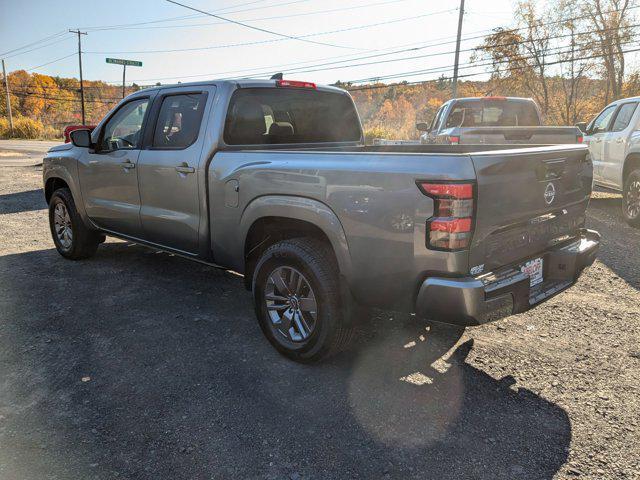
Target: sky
point(334, 38)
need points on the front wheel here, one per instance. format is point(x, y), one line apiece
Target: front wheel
point(72, 238)
point(297, 300)
point(631, 199)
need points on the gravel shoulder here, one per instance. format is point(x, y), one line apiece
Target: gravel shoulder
point(139, 364)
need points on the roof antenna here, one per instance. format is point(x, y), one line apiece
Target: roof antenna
point(276, 76)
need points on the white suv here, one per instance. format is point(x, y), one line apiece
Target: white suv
point(614, 143)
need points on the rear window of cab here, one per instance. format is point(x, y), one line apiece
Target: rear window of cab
point(267, 116)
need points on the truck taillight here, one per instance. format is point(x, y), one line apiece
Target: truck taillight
point(579, 139)
point(294, 84)
point(451, 226)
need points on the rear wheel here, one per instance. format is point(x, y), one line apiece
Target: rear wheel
point(297, 300)
point(631, 199)
point(70, 235)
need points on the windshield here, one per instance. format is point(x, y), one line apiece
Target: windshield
point(285, 115)
point(493, 113)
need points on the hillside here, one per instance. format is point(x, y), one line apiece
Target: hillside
point(43, 105)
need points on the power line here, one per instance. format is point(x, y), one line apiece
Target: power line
point(275, 17)
point(173, 19)
point(62, 99)
point(135, 26)
point(279, 66)
point(251, 27)
point(313, 68)
point(464, 66)
point(301, 37)
point(557, 62)
point(331, 65)
point(415, 57)
point(268, 70)
point(4, 54)
point(64, 39)
point(124, 25)
point(49, 63)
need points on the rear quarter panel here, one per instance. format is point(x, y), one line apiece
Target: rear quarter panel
point(373, 198)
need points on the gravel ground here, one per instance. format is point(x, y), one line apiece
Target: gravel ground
point(139, 364)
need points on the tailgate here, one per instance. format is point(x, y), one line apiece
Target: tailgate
point(519, 135)
point(527, 201)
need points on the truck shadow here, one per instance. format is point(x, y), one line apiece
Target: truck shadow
point(25, 201)
point(619, 242)
point(142, 365)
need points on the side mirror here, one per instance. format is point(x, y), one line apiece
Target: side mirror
point(423, 127)
point(582, 126)
point(81, 138)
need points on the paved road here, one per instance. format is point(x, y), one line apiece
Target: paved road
point(140, 365)
point(23, 153)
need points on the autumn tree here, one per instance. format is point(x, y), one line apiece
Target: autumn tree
point(613, 25)
point(519, 56)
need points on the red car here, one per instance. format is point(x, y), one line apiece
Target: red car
point(71, 128)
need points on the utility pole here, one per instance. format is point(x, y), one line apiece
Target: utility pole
point(454, 92)
point(124, 74)
point(78, 32)
point(6, 89)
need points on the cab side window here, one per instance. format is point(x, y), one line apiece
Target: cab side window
point(179, 120)
point(624, 116)
point(123, 131)
point(601, 123)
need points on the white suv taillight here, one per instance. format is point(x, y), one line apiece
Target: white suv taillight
point(451, 226)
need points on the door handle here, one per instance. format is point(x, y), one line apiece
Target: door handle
point(184, 168)
point(128, 164)
point(620, 140)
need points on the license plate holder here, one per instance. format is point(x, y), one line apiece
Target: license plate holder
point(534, 269)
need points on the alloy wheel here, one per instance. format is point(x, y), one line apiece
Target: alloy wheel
point(632, 199)
point(291, 304)
point(62, 224)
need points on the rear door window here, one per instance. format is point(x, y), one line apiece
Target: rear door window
point(179, 120)
point(284, 115)
point(493, 113)
point(623, 117)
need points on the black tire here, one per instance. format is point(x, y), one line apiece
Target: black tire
point(331, 331)
point(84, 241)
point(631, 199)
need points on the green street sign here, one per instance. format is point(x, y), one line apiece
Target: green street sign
point(121, 61)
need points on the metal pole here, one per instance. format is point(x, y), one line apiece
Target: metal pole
point(80, 64)
point(6, 88)
point(124, 73)
point(454, 92)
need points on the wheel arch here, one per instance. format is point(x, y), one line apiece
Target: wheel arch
point(269, 219)
point(59, 175)
point(51, 185)
point(631, 163)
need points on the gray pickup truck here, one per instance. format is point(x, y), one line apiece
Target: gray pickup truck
point(271, 179)
point(493, 120)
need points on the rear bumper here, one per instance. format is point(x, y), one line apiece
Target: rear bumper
point(477, 300)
